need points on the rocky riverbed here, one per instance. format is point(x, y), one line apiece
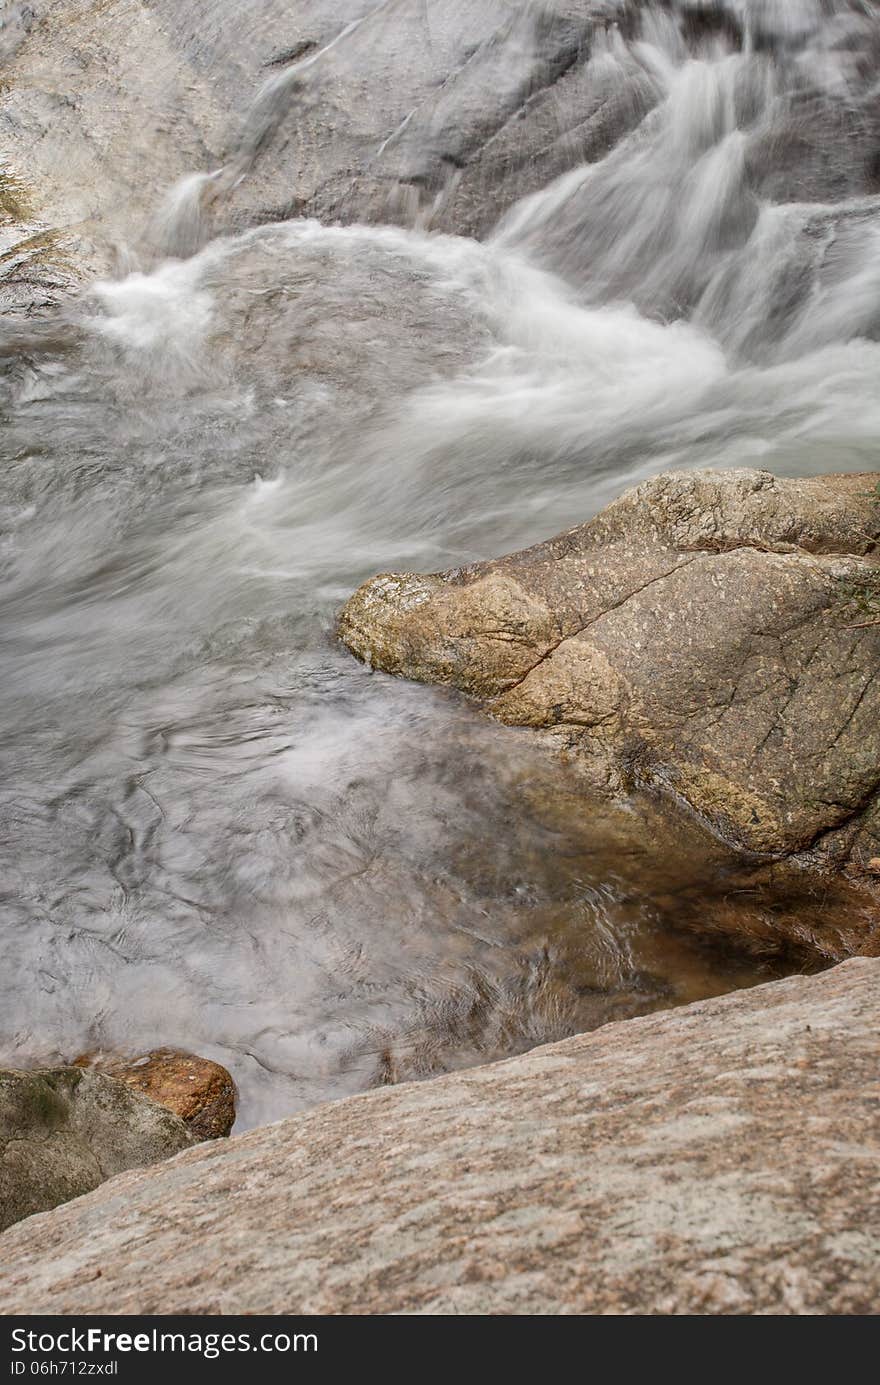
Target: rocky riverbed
point(296, 296)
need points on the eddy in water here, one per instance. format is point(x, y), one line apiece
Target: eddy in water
point(219, 831)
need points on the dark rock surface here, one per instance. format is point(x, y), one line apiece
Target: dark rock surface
point(442, 116)
point(104, 106)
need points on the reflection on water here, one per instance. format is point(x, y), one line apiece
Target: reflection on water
point(217, 830)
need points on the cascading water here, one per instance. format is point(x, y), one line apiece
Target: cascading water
point(220, 832)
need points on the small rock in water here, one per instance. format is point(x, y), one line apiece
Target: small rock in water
point(200, 1092)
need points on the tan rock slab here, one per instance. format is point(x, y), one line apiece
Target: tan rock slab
point(718, 1159)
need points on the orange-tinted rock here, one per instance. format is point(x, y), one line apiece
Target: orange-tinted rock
point(201, 1092)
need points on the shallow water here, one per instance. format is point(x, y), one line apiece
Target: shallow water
point(218, 830)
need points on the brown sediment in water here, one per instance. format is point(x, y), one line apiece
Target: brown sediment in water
point(604, 909)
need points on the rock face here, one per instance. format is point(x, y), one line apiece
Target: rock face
point(720, 1159)
point(706, 633)
point(63, 1131)
point(104, 106)
point(353, 110)
point(200, 1092)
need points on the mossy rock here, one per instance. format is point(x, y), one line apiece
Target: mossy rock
point(65, 1130)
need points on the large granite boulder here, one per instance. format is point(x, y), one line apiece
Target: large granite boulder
point(719, 1159)
point(710, 633)
point(64, 1130)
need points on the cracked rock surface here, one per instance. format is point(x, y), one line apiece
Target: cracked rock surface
point(702, 634)
point(64, 1130)
point(718, 1159)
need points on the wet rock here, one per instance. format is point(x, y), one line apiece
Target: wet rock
point(200, 1092)
point(63, 1131)
point(324, 315)
point(443, 118)
point(700, 635)
point(718, 1159)
point(102, 109)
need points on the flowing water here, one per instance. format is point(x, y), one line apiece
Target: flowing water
point(221, 832)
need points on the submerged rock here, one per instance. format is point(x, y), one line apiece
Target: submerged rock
point(704, 635)
point(719, 1159)
point(200, 1092)
point(64, 1130)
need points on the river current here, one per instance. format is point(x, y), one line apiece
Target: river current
point(218, 830)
